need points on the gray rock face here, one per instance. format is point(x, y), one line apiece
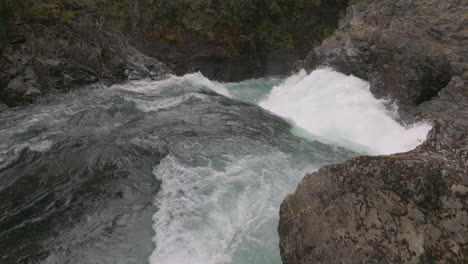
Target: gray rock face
point(403, 208)
point(63, 56)
point(408, 49)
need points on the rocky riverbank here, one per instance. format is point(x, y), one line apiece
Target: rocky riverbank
point(55, 54)
point(57, 45)
point(403, 208)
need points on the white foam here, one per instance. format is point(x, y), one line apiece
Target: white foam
point(165, 103)
point(208, 216)
point(336, 106)
point(9, 153)
point(213, 215)
point(41, 146)
point(193, 79)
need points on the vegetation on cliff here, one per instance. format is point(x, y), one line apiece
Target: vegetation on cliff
point(237, 23)
point(234, 23)
point(28, 12)
point(225, 40)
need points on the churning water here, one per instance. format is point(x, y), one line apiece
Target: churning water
point(183, 170)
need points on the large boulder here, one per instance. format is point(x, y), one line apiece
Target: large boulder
point(403, 208)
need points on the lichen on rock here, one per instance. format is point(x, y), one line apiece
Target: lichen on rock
point(403, 208)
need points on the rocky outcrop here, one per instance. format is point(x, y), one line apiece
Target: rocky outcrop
point(44, 58)
point(403, 208)
point(409, 50)
point(229, 40)
point(215, 61)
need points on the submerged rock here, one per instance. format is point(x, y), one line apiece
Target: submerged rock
point(403, 208)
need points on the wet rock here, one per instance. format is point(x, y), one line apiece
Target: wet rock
point(3, 107)
point(409, 50)
point(402, 208)
point(24, 86)
point(60, 57)
point(265, 42)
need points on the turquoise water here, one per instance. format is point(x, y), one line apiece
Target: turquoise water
point(225, 209)
point(182, 170)
point(253, 91)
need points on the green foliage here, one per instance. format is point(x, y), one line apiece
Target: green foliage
point(37, 11)
point(237, 23)
point(67, 16)
point(240, 25)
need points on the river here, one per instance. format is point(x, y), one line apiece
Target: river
point(181, 170)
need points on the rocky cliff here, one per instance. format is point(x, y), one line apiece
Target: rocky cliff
point(227, 40)
point(57, 45)
point(403, 208)
point(411, 51)
point(64, 46)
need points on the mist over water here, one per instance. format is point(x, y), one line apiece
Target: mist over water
point(228, 215)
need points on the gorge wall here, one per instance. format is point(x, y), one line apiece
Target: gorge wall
point(57, 45)
point(230, 40)
point(403, 208)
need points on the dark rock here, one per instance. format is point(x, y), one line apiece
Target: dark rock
point(402, 208)
point(214, 62)
point(60, 57)
point(3, 107)
point(409, 50)
point(451, 102)
point(187, 44)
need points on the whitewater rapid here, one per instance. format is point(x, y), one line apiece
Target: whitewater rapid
point(211, 214)
point(180, 170)
point(338, 107)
